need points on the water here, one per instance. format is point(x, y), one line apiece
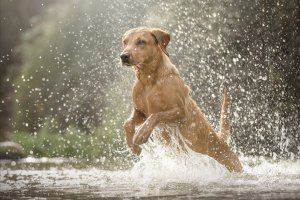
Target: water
point(161, 172)
point(52, 178)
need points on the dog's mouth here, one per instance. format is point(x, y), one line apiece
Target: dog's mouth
point(127, 61)
point(137, 66)
point(126, 64)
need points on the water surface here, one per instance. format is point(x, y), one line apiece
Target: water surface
point(160, 173)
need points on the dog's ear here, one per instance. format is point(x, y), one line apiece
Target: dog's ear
point(163, 38)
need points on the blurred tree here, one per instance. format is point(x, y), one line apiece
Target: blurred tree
point(14, 19)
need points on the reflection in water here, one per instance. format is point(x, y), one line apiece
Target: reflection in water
point(160, 172)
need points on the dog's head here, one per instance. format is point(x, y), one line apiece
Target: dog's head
point(141, 46)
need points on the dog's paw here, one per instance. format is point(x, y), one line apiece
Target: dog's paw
point(128, 126)
point(142, 135)
point(136, 150)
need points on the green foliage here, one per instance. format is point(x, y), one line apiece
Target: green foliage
point(106, 144)
point(106, 148)
point(72, 144)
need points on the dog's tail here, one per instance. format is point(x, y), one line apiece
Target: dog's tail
point(225, 125)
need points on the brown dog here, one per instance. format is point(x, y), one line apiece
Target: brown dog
point(161, 96)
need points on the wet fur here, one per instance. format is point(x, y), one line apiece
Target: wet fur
point(161, 96)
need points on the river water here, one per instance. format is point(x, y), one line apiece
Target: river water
point(160, 173)
point(58, 179)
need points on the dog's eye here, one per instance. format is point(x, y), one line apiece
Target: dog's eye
point(140, 42)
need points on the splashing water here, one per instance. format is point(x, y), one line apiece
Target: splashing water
point(167, 171)
point(175, 163)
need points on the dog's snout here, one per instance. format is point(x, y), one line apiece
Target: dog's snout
point(124, 57)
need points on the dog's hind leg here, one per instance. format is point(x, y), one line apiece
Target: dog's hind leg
point(221, 152)
point(225, 126)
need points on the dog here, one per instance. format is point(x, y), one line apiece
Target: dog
point(161, 96)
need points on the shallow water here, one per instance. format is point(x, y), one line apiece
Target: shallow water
point(160, 173)
point(44, 177)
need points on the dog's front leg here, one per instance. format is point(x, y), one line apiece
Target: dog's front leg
point(134, 120)
point(143, 133)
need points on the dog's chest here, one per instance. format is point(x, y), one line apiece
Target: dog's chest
point(147, 99)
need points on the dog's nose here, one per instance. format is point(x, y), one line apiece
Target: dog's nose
point(124, 57)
